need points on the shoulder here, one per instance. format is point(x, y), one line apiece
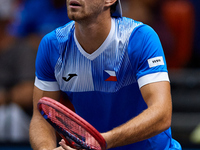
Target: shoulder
point(135, 27)
point(144, 32)
point(129, 29)
point(143, 35)
point(56, 38)
point(59, 32)
point(65, 31)
point(127, 25)
point(128, 22)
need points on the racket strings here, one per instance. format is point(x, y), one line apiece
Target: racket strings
point(76, 132)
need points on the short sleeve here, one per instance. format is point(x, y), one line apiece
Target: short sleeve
point(147, 56)
point(46, 59)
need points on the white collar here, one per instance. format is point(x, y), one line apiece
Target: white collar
point(101, 48)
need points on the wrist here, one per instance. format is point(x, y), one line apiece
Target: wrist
point(108, 138)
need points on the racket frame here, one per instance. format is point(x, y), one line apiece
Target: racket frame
point(75, 118)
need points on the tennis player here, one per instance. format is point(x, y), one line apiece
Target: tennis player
point(114, 72)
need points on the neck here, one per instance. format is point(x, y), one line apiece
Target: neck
point(92, 34)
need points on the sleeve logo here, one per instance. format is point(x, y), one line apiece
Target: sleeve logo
point(156, 61)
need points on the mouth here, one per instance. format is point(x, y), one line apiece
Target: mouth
point(74, 3)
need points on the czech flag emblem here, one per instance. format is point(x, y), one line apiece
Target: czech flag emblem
point(110, 75)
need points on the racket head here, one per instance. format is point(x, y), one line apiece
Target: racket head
point(76, 131)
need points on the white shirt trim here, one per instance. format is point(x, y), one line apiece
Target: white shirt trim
point(102, 47)
point(151, 78)
point(46, 85)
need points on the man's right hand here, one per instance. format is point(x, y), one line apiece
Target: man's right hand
point(64, 146)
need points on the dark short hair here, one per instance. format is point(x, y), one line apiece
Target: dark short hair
point(113, 7)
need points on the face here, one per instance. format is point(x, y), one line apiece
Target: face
point(83, 9)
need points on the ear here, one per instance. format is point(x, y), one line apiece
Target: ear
point(109, 3)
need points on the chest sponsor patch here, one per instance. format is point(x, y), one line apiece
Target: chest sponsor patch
point(156, 61)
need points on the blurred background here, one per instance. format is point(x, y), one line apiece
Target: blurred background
point(24, 22)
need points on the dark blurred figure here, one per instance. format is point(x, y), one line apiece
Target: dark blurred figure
point(16, 79)
point(179, 16)
point(173, 20)
point(39, 17)
point(22, 25)
point(195, 63)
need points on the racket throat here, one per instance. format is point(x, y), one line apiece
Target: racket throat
point(70, 139)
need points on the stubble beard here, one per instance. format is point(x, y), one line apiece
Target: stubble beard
point(76, 16)
point(81, 19)
point(84, 16)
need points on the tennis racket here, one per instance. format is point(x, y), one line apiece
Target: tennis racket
point(76, 132)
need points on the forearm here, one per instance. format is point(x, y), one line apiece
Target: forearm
point(148, 124)
point(42, 135)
